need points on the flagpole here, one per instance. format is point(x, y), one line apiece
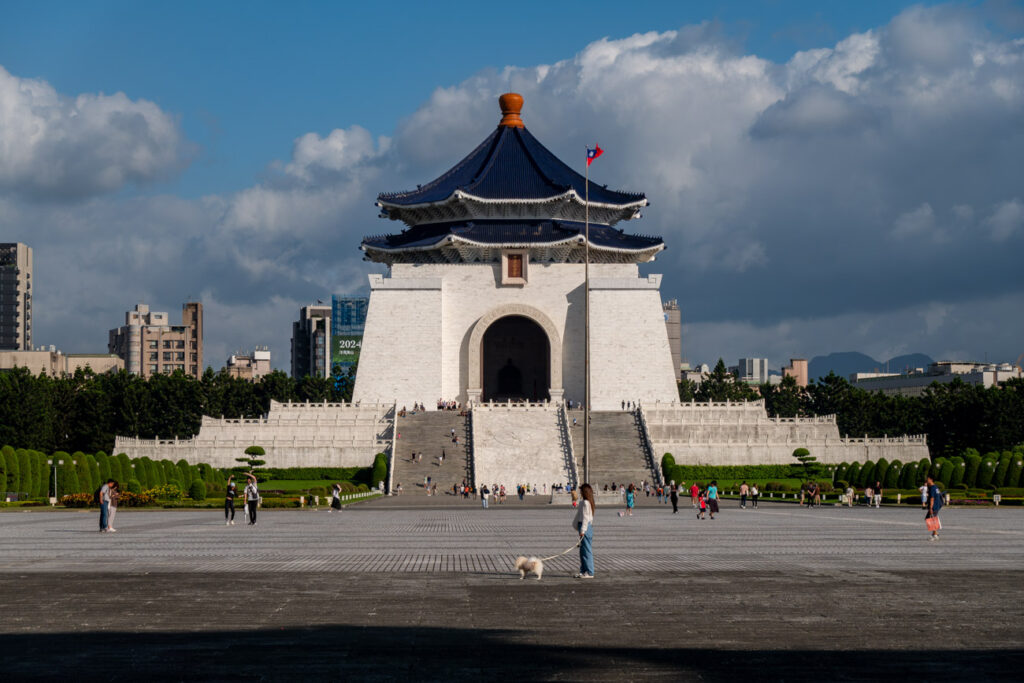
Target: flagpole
point(586, 325)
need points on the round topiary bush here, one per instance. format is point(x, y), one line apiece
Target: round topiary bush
point(134, 486)
point(197, 490)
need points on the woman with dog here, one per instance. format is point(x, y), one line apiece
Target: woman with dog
point(584, 524)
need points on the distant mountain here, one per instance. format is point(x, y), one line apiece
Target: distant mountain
point(846, 363)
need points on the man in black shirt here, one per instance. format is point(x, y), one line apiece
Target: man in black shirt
point(229, 501)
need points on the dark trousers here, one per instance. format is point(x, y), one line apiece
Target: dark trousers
point(675, 503)
point(104, 514)
point(229, 509)
point(252, 511)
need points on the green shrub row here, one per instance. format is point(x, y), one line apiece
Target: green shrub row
point(28, 472)
point(680, 473)
point(993, 471)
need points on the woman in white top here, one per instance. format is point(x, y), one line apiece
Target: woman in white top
point(584, 524)
point(252, 499)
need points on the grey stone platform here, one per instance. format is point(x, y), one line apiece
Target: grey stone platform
point(376, 593)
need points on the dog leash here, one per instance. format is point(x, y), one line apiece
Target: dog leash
point(572, 547)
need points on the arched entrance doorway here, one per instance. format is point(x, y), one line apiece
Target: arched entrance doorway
point(515, 360)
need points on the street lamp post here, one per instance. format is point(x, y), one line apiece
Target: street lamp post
point(54, 462)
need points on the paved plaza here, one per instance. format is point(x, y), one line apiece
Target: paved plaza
point(388, 589)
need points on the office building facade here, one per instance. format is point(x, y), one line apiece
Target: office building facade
point(15, 297)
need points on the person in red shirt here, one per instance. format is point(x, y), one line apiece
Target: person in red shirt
point(694, 492)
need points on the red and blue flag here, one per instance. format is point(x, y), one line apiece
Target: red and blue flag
point(594, 153)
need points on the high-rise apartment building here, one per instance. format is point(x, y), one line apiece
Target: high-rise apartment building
point(797, 369)
point(311, 342)
point(150, 345)
point(752, 370)
point(15, 297)
point(674, 325)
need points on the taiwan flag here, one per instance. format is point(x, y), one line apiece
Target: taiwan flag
point(594, 153)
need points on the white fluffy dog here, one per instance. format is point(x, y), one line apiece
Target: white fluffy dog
point(525, 565)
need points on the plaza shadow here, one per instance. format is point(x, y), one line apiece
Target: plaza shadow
point(339, 652)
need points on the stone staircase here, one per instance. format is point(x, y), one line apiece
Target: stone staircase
point(430, 433)
point(521, 444)
point(616, 448)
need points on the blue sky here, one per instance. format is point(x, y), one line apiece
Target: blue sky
point(247, 78)
point(828, 176)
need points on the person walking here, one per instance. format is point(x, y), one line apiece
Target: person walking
point(744, 490)
point(934, 505)
point(878, 494)
point(115, 494)
point(630, 499)
point(104, 496)
point(583, 522)
point(755, 493)
point(252, 498)
point(674, 496)
point(484, 492)
point(335, 497)
point(713, 498)
point(694, 493)
point(702, 500)
point(229, 501)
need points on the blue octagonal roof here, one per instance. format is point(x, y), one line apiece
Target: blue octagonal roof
point(509, 164)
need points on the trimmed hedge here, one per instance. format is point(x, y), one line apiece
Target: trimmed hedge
point(380, 469)
point(325, 473)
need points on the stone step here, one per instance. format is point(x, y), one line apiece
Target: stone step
point(616, 448)
point(430, 433)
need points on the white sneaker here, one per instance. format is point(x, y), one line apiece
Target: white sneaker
point(227, 523)
point(111, 530)
point(232, 522)
point(586, 576)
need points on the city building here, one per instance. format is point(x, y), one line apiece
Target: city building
point(311, 342)
point(56, 364)
point(250, 366)
point(751, 370)
point(150, 345)
point(348, 320)
point(674, 326)
point(15, 296)
point(915, 382)
point(797, 369)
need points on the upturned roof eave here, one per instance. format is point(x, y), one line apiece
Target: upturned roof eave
point(458, 195)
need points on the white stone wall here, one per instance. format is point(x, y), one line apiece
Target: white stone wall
point(629, 349)
point(293, 435)
point(515, 445)
point(743, 434)
point(402, 341)
point(416, 344)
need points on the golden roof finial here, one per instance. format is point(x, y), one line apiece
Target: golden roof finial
point(511, 104)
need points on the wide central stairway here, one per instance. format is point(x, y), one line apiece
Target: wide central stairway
point(617, 453)
point(517, 444)
point(430, 433)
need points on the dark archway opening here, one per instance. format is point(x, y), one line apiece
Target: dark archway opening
point(516, 360)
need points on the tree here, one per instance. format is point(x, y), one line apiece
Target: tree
point(687, 390)
point(784, 399)
point(809, 467)
point(721, 385)
point(253, 459)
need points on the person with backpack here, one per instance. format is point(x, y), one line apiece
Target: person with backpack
point(252, 498)
point(934, 505)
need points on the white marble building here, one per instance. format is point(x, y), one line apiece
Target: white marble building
point(484, 298)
